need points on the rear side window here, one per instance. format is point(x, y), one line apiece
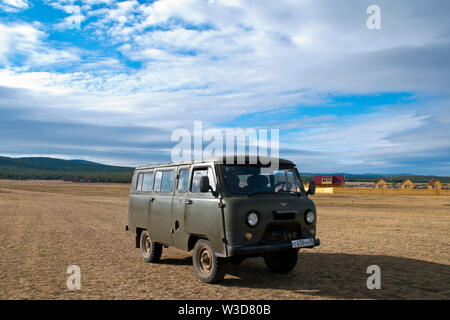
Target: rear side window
point(183, 180)
point(139, 182)
point(158, 178)
point(147, 183)
point(167, 181)
point(196, 179)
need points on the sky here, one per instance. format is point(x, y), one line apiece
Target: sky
point(109, 81)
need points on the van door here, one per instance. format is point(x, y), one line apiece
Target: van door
point(180, 236)
point(160, 224)
point(141, 199)
point(203, 214)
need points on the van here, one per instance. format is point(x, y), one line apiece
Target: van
point(223, 212)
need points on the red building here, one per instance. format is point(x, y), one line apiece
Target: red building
point(324, 181)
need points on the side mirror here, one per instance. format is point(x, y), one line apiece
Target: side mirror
point(204, 184)
point(312, 188)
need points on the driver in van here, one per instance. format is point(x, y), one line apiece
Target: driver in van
point(232, 182)
point(257, 183)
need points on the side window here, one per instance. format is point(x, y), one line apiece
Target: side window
point(167, 181)
point(196, 179)
point(183, 180)
point(139, 182)
point(212, 180)
point(147, 184)
point(158, 178)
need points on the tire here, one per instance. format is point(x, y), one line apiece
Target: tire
point(281, 262)
point(150, 251)
point(208, 267)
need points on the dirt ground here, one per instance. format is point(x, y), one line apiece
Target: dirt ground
point(47, 226)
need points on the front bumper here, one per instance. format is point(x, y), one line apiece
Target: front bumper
point(260, 249)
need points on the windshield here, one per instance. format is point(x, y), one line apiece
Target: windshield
point(251, 179)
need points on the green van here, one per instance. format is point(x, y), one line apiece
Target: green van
point(223, 213)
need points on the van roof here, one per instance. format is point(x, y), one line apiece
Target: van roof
point(222, 159)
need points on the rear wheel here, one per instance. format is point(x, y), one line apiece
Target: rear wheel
point(281, 262)
point(208, 267)
point(150, 251)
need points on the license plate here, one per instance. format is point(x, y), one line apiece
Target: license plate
point(302, 243)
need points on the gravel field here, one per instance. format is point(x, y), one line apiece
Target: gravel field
point(46, 226)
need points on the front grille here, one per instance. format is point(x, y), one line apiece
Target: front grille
point(283, 215)
point(281, 232)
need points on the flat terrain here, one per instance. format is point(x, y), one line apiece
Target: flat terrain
point(47, 226)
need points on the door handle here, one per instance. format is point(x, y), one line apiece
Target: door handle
point(152, 199)
point(189, 201)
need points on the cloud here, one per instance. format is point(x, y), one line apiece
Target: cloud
point(13, 5)
point(161, 65)
point(23, 44)
point(380, 142)
point(273, 47)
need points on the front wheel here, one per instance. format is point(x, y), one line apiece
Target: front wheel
point(281, 262)
point(208, 267)
point(150, 251)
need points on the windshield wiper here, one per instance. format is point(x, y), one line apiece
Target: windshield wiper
point(260, 192)
point(273, 192)
point(298, 194)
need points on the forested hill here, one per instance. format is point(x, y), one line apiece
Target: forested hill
point(80, 170)
point(58, 169)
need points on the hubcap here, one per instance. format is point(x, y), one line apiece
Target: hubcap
point(205, 260)
point(147, 245)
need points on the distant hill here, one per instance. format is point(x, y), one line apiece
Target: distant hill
point(80, 170)
point(58, 169)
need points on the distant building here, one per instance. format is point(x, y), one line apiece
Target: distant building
point(434, 184)
point(407, 184)
point(381, 184)
point(326, 183)
point(329, 181)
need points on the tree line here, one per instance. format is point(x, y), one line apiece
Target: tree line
point(76, 176)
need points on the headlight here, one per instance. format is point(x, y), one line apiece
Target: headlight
point(252, 219)
point(310, 217)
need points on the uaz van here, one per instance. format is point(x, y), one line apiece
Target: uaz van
point(223, 213)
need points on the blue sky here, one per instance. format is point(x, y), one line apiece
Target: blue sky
point(109, 81)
